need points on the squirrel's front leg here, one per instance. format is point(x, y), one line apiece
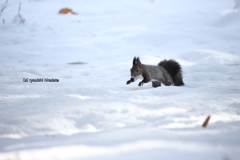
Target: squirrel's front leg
point(129, 81)
point(145, 80)
point(140, 83)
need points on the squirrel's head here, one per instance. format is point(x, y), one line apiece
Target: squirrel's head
point(136, 69)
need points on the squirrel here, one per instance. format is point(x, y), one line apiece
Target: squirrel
point(168, 72)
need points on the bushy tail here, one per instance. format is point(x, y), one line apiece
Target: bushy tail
point(174, 69)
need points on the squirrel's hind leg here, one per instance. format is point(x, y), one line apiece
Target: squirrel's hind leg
point(156, 84)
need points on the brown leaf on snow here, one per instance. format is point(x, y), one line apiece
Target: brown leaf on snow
point(205, 123)
point(66, 11)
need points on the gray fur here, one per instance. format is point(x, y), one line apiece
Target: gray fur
point(156, 73)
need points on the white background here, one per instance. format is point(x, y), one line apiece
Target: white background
point(91, 113)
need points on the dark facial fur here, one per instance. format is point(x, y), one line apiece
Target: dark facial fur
point(136, 69)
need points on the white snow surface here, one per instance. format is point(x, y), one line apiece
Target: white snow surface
point(91, 113)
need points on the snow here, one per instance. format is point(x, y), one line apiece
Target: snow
point(91, 113)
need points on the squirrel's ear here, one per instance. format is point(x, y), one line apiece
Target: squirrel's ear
point(135, 61)
point(138, 60)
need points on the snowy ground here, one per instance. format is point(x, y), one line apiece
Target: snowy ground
point(91, 113)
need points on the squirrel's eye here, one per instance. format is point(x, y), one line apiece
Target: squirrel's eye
point(137, 70)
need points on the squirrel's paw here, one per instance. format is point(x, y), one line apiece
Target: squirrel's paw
point(128, 82)
point(140, 84)
point(169, 83)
